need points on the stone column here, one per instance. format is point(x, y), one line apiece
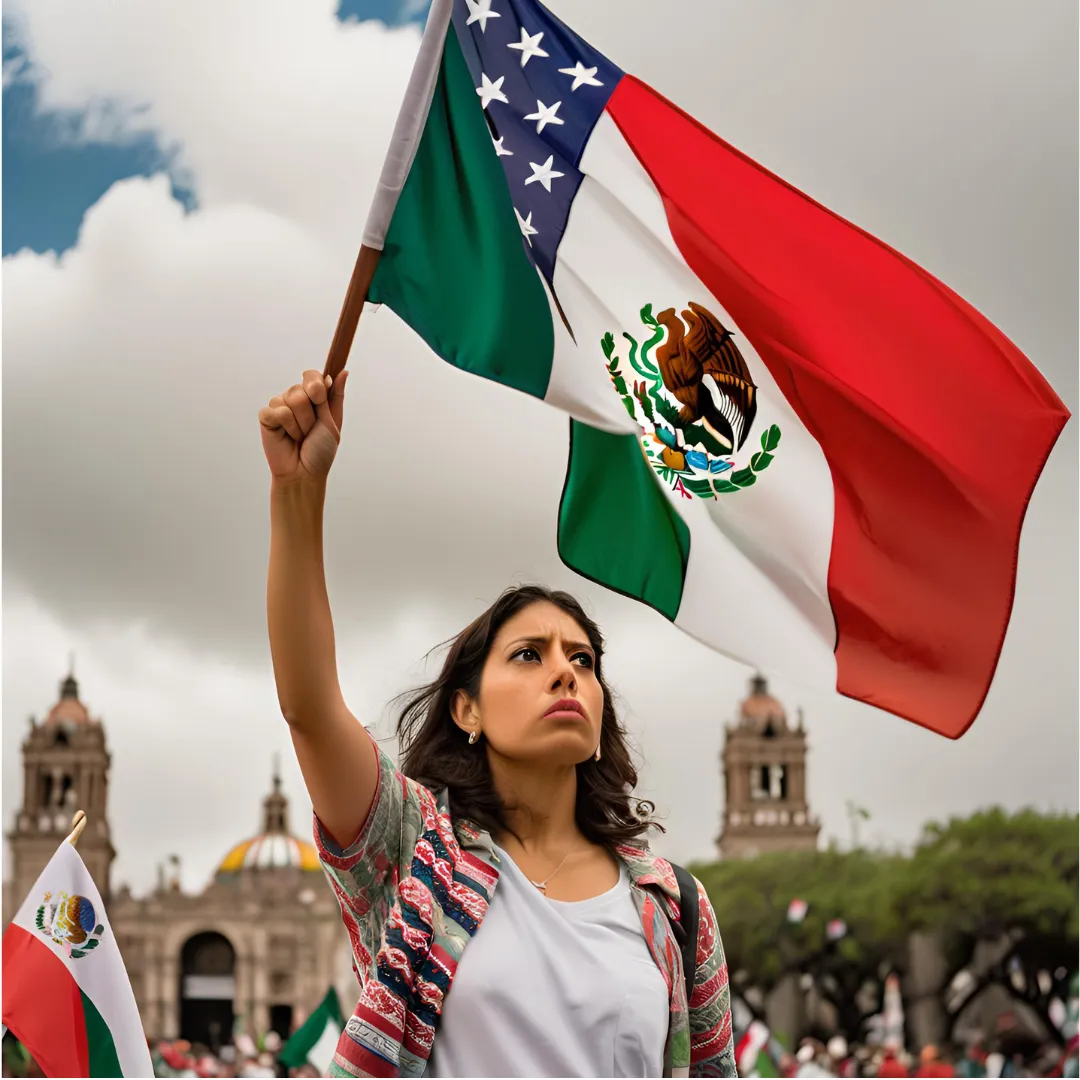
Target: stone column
point(797, 784)
point(261, 982)
point(242, 974)
point(785, 1010)
point(151, 1004)
point(170, 996)
point(926, 977)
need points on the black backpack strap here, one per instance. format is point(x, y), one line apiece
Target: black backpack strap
point(686, 926)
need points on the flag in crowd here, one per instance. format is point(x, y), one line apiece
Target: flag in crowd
point(797, 910)
point(66, 994)
point(786, 437)
point(315, 1041)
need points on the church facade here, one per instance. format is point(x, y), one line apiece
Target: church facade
point(764, 769)
point(258, 947)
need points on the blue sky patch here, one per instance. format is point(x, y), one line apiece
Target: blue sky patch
point(51, 179)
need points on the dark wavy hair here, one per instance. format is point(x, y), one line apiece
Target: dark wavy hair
point(436, 753)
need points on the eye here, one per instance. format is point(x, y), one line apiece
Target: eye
point(586, 657)
point(526, 653)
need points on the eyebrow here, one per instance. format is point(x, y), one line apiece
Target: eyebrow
point(571, 646)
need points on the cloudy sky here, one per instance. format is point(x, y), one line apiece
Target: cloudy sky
point(184, 192)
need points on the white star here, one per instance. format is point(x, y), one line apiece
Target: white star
point(480, 11)
point(500, 150)
point(491, 91)
point(529, 46)
point(581, 75)
point(526, 224)
point(543, 174)
point(545, 114)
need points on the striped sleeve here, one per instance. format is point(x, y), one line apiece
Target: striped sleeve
point(712, 1045)
point(365, 874)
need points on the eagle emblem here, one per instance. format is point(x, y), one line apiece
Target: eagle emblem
point(70, 922)
point(695, 400)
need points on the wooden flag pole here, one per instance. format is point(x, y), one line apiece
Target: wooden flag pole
point(355, 298)
point(78, 823)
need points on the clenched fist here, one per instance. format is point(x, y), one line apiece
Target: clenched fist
point(301, 428)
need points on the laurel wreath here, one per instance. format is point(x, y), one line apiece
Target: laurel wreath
point(648, 395)
point(93, 943)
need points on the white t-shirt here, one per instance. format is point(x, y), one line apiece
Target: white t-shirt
point(551, 988)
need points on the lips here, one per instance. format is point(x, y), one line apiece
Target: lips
point(566, 705)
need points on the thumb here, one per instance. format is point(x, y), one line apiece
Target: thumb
point(336, 399)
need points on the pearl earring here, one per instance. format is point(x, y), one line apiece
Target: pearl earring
point(473, 736)
point(596, 756)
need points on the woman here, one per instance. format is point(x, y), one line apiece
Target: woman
point(510, 829)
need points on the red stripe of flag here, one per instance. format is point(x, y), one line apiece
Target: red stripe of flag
point(935, 426)
point(43, 1005)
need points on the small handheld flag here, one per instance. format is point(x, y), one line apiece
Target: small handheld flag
point(66, 994)
point(797, 910)
point(315, 1041)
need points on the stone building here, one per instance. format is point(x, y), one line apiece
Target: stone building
point(764, 769)
point(262, 942)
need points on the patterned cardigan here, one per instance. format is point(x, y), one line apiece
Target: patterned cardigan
point(413, 888)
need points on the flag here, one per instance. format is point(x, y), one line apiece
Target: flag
point(797, 910)
point(835, 929)
point(66, 994)
point(315, 1041)
point(786, 437)
point(752, 1056)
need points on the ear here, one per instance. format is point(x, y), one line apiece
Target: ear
point(464, 711)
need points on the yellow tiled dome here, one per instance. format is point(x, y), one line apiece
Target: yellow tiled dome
point(274, 848)
point(269, 851)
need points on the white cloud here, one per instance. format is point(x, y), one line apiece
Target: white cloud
point(134, 487)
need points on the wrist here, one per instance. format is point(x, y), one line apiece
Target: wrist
point(299, 494)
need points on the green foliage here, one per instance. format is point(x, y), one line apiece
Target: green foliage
point(751, 900)
point(971, 878)
point(983, 875)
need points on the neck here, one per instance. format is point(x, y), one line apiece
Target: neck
point(539, 803)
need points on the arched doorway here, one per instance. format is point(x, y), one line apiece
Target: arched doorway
point(207, 989)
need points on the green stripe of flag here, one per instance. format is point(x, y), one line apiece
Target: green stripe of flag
point(313, 1031)
point(454, 269)
point(453, 266)
point(99, 1042)
point(616, 526)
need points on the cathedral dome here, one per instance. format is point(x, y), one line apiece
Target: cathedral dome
point(273, 848)
point(69, 709)
point(270, 851)
point(761, 711)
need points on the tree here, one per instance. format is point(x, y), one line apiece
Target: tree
point(751, 900)
point(996, 876)
point(969, 880)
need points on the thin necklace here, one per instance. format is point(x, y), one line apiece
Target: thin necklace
point(542, 885)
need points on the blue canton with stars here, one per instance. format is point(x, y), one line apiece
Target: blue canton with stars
point(543, 89)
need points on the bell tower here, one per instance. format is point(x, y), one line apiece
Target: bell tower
point(764, 770)
point(65, 768)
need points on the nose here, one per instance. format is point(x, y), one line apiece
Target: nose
point(564, 677)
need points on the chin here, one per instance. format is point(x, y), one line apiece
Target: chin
point(562, 748)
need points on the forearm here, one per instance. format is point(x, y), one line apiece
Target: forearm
point(298, 607)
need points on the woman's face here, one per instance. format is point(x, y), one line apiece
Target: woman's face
point(539, 699)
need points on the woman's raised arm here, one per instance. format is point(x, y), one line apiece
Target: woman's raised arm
point(301, 430)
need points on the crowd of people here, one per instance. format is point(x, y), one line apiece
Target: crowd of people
point(760, 1055)
point(837, 1058)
